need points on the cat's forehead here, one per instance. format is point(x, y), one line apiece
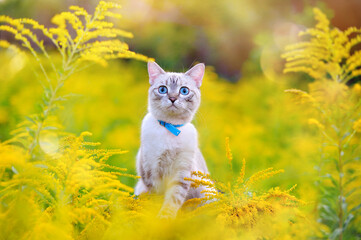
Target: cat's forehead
point(175, 79)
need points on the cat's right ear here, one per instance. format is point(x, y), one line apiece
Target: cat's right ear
point(154, 71)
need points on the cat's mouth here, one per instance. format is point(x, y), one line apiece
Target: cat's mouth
point(173, 106)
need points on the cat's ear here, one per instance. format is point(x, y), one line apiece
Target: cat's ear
point(196, 73)
point(154, 71)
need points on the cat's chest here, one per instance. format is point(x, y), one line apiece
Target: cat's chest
point(166, 160)
point(159, 140)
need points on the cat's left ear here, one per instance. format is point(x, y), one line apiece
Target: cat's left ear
point(196, 73)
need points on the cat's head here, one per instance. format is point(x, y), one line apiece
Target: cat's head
point(174, 97)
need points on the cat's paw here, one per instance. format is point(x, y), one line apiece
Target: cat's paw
point(167, 213)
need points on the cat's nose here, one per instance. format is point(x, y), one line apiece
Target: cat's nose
point(172, 99)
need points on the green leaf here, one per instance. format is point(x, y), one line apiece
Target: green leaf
point(345, 135)
point(349, 218)
point(350, 180)
point(328, 213)
point(30, 131)
point(45, 100)
point(59, 99)
point(47, 93)
point(14, 170)
point(336, 233)
point(30, 120)
point(354, 209)
point(333, 180)
point(335, 128)
point(352, 191)
point(50, 128)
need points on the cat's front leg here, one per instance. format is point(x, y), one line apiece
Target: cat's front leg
point(140, 188)
point(177, 187)
point(145, 183)
point(174, 198)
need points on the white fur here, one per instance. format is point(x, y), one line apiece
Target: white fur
point(164, 160)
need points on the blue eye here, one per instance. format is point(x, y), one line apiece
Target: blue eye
point(162, 89)
point(184, 91)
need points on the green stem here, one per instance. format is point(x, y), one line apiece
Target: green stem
point(49, 105)
point(340, 182)
point(67, 67)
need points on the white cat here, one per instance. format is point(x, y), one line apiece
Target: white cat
point(169, 142)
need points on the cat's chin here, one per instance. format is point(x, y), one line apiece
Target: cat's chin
point(172, 115)
point(176, 111)
point(173, 108)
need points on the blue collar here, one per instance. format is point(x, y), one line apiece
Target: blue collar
point(171, 128)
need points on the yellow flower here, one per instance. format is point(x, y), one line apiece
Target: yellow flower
point(313, 121)
point(242, 173)
point(301, 96)
point(4, 44)
point(357, 125)
point(229, 152)
point(323, 55)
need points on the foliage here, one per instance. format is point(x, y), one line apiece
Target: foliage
point(67, 188)
point(113, 110)
point(66, 193)
point(60, 187)
point(226, 211)
point(329, 57)
point(137, 216)
point(196, 31)
point(329, 53)
point(76, 45)
point(239, 205)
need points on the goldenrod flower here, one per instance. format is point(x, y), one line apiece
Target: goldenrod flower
point(357, 125)
point(313, 121)
point(237, 205)
point(229, 152)
point(328, 54)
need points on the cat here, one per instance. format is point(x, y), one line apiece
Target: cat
point(169, 149)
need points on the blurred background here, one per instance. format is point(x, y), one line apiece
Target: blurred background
point(243, 91)
point(224, 34)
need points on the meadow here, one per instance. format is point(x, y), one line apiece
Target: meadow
point(282, 147)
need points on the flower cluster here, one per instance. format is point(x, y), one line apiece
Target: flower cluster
point(238, 205)
point(81, 39)
point(72, 188)
point(328, 54)
point(331, 59)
